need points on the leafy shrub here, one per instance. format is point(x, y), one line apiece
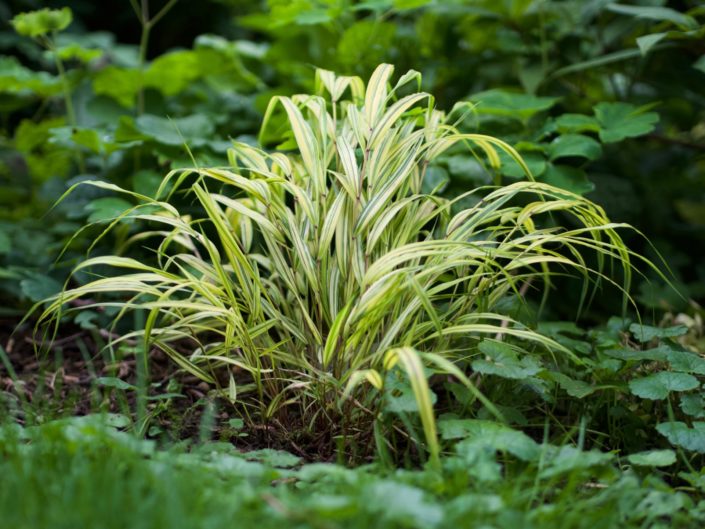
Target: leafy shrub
point(307, 271)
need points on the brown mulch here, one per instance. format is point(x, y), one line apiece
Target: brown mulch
point(61, 381)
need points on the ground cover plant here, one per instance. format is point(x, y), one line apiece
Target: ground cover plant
point(212, 486)
point(275, 295)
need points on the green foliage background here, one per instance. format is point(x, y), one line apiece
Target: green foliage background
point(570, 83)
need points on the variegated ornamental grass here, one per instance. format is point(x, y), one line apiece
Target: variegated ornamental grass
point(313, 271)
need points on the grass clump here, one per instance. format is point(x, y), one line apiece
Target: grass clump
point(294, 277)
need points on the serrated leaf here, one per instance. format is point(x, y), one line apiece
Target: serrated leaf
point(503, 360)
point(84, 319)
point(657, 354)
point(574, 388)
point(693, 404)
point(275, 458)
point(79, 53)
point(619, 121)
point(659, 385)
point(646, 333)
point(680, 434)
point(506, 366)
point(653, 458)
point(687, 362)
point(399, 395)
point(568, 459)
point(41, 22)
point(479, 433)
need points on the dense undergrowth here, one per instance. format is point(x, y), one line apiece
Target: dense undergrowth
point(80, 469)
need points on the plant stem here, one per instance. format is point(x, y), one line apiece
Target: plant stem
point(144, 41)
point(147, 25)
point(70, 114)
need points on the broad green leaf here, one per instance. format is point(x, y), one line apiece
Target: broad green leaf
point(653, 458)
point(569, 178)
point(575, 388)
point(194, 130)
point(40, 287)
point(646, 333)
point(479, 433)
point(575, 123)
point(510, 104)
point(117, 420)
point(400, 505)
point(365, 44)
point(468, 169)
point(503, 361)
point(568, 459)
point(680, 434)
point(313, 17)
point(574, 145)
point(693, 404)
point(121, 84)
point(436, 179)
point(687, 361)
point(41, 22)
point(659, 385)
point(399, 394)
point(657, 354)
point(106, 208)
point(16, 78)
point(535, 161)
point(146, 182)
point(619, 121)
point(85, 319)
point(83, 137)
point(173, 72)
point(275, 458)
point(78, 53)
